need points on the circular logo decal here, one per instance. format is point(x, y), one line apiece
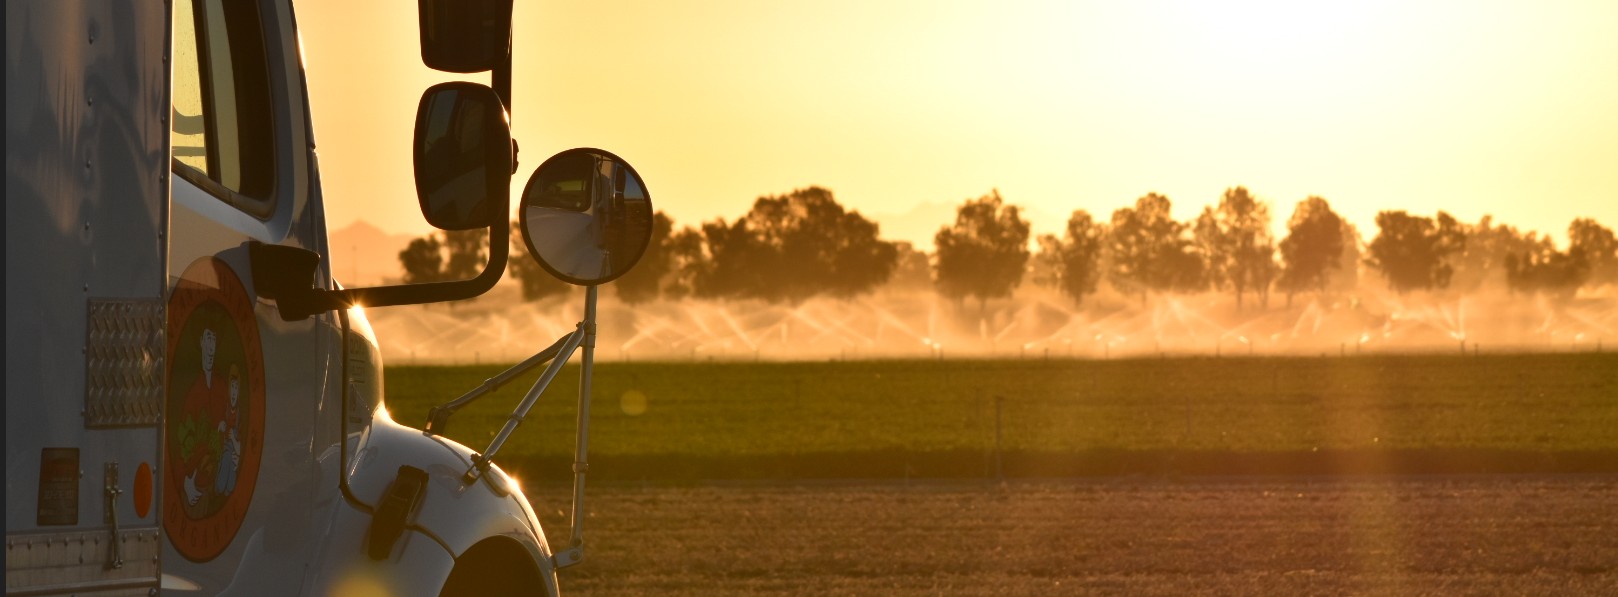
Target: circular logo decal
point(215, 410)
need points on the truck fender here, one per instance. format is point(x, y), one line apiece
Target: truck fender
point(486, 527)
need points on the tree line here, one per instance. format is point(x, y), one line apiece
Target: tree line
point(792, 247)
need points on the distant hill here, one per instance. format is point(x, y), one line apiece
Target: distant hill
point(364, 255)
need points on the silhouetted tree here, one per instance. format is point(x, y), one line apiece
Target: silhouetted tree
point(536, 283)
point(792, 247)
point(1483, 260)
point(983, 254)
point(1413, 252)
point(1074, 259)
point(423, 260)
point(1312, 249)
point(443, 256)
point(1543, 269)
point(1347, 276)
point(912, 270)
point(1150, 251)
point(689, 261)
point(1596, 245)
point(644, 282)
point(1236, 244)
point(468, 253)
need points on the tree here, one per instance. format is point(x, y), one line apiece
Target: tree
point(468, 253)
point(1312, 249)
point(535, 281)
point(1347, 276)
point(1540, 268)
point(1596, 245)
point(1150, 251)
point(1483, 261)
point(1075, 258)
point(790, 248)
point(983, 254)
point(1413, 252)
point(1236, 244)
point(689, 261)
point(912, 270)
point(423, 260)
point(445, 256)
point(644, 282)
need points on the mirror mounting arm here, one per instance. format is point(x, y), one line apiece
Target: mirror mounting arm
point(286, 275)
point(435, 292)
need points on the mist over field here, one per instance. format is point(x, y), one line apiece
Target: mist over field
point(1034, 323)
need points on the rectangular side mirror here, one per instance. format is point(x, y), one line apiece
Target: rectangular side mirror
point(462, 156)
point(465, 36)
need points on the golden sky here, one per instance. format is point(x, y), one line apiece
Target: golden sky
point(1471, 106)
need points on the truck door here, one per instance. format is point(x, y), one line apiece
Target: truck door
point(251, 403)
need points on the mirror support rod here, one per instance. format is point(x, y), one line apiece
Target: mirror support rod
point(575, 549)
point(438, 417)
point(500, 79)
point(480, 462)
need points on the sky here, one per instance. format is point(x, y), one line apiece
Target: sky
point(1470, 106)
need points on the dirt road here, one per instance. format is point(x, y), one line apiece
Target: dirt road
point(1412, 535)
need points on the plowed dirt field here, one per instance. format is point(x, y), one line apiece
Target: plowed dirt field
point(1503, 534)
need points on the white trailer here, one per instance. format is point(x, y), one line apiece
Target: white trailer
point(193, 403)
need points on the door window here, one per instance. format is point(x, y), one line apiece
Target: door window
point(222, 125)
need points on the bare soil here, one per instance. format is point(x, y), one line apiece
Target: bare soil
point(1455, 535)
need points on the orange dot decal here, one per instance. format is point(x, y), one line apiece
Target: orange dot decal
point(143, 490)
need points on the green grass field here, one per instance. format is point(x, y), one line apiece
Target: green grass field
point(937, 418)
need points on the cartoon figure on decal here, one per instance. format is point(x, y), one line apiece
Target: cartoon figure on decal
point(198, 462)
point(215, 415)
point(231, 456)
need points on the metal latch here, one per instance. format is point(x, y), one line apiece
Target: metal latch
point(394, 509)
point(110, 516)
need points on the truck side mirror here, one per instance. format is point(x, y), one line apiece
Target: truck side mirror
point(586, 216)
point(463, 159)
point(464, 36)
point(463, 156)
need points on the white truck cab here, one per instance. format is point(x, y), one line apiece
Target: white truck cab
point(193, 404)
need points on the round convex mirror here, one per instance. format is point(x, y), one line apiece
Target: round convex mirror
point(586, 216)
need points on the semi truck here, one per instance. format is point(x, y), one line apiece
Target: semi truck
point(194, 404)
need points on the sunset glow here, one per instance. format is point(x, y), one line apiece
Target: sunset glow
point(1476, 108)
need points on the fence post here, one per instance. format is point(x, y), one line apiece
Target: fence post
point(999, 464)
